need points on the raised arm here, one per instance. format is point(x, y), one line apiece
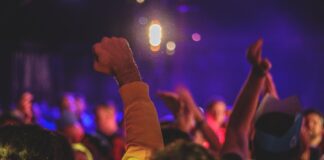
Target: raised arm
point(182, 98)
point(201, 124)
point(143, 133)
point(270, 87)
point(246, 103)
point(184, 117)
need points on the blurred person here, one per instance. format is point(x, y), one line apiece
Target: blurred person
point(80, 105)
point(31, 142)
point(68, 103)
point(106, 119)
point(70, 127)
point(80, 111)
point(313, 132)
point(77, 105)
point(108, 138)
point(203, 133)
point(216, 115)
point(277, 123)
point(24, 109)
point(184, 118)
point(189, 119)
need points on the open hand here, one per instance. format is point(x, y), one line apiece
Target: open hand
point(171, 100)
point(186, 96)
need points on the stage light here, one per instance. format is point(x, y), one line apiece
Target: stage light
point(170, 46)
point(196, 37)
point(140, 1)
point(155, 48)
point(155, 34)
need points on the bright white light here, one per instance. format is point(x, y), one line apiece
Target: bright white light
point(140, 1)
point(196, 37)
point(170, 46)
point(155, 34)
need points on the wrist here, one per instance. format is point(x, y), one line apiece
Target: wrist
point(128, 76)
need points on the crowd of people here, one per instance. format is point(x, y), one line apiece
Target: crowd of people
point(270, 129)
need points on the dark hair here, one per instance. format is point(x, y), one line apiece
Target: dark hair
point(32, 142)
point(182, 150)
point(275, 124)
point(211, 104)
point(314, 111)
point(171, 135)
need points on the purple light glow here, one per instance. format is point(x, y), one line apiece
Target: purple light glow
point(183, 8)
point(196, 37)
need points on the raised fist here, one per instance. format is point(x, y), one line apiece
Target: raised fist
point(114, 56)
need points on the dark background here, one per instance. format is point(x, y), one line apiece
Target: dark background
point(45, 46)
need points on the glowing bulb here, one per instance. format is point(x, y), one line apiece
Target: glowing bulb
point(155, 34)
point(155, 48)
point(196, 37)
point(140, 1)
point(170, 46)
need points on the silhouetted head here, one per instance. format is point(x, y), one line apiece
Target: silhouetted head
point(277, 136)
point(277, 129)
point(30, 142)
point(183, 150)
